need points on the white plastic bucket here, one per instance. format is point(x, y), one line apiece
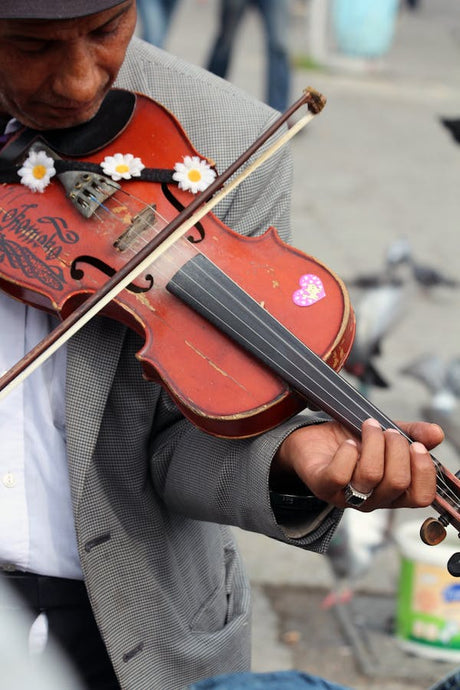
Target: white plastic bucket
point(428, 603)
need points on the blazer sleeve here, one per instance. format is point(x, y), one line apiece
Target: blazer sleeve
point(227, 480)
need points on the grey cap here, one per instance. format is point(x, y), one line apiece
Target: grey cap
point(53, 9)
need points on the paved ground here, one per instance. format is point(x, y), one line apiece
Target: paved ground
point(375, 166)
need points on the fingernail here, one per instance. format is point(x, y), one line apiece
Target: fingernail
point(418, 447)
point(352, 442)
point(372, 422)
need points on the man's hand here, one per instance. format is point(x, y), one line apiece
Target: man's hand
point(327, 458)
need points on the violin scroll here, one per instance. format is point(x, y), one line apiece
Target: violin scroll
point(433, 531)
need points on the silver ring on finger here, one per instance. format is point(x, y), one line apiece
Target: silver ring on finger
point(355, 498)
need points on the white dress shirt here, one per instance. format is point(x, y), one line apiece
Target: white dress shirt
point(37, 531)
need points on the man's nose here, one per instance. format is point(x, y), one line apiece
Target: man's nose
point(77, 77)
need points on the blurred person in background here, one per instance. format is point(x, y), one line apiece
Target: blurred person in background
point(275, 17)
point(155, 19)
point(23, 638)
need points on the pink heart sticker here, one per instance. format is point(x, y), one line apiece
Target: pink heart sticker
point(311, 291)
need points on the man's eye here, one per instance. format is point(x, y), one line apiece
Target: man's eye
point(30, 46)
point(108, 29)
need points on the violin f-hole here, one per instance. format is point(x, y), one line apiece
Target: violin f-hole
point(180, 207)
point(78, 273)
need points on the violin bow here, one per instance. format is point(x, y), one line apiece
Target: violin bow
point(200, 206)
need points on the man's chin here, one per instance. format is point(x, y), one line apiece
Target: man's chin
point(63, 118)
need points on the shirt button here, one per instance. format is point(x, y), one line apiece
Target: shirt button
point(9, 480)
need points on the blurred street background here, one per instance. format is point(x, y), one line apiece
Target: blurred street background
point(376, 197)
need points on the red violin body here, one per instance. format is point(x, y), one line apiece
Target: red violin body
point(54, 258)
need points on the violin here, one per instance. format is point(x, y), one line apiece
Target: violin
point(264, 325)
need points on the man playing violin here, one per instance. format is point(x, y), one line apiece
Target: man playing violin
point(114, 508)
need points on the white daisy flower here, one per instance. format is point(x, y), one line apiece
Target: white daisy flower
point(194, 174)
point(122, 166)
point(37, 171)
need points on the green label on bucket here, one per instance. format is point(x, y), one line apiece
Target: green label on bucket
point(428, 607)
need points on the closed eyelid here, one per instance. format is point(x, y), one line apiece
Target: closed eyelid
point(22, 38)
point(29, 45)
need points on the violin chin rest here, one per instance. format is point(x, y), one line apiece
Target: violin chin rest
point(111, 119)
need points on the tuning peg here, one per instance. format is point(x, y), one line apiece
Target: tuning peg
point(453, 564)
point(433, 532)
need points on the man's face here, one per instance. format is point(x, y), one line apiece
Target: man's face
point(55, 74)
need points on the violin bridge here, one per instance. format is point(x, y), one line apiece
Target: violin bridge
point(141, 223)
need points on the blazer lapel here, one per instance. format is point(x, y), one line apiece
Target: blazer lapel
point(92, 358)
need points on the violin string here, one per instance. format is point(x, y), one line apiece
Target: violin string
point(251, 315)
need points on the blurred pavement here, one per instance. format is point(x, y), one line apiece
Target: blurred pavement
point(374, 166)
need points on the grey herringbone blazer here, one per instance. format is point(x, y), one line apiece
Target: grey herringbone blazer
point(151, 493)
